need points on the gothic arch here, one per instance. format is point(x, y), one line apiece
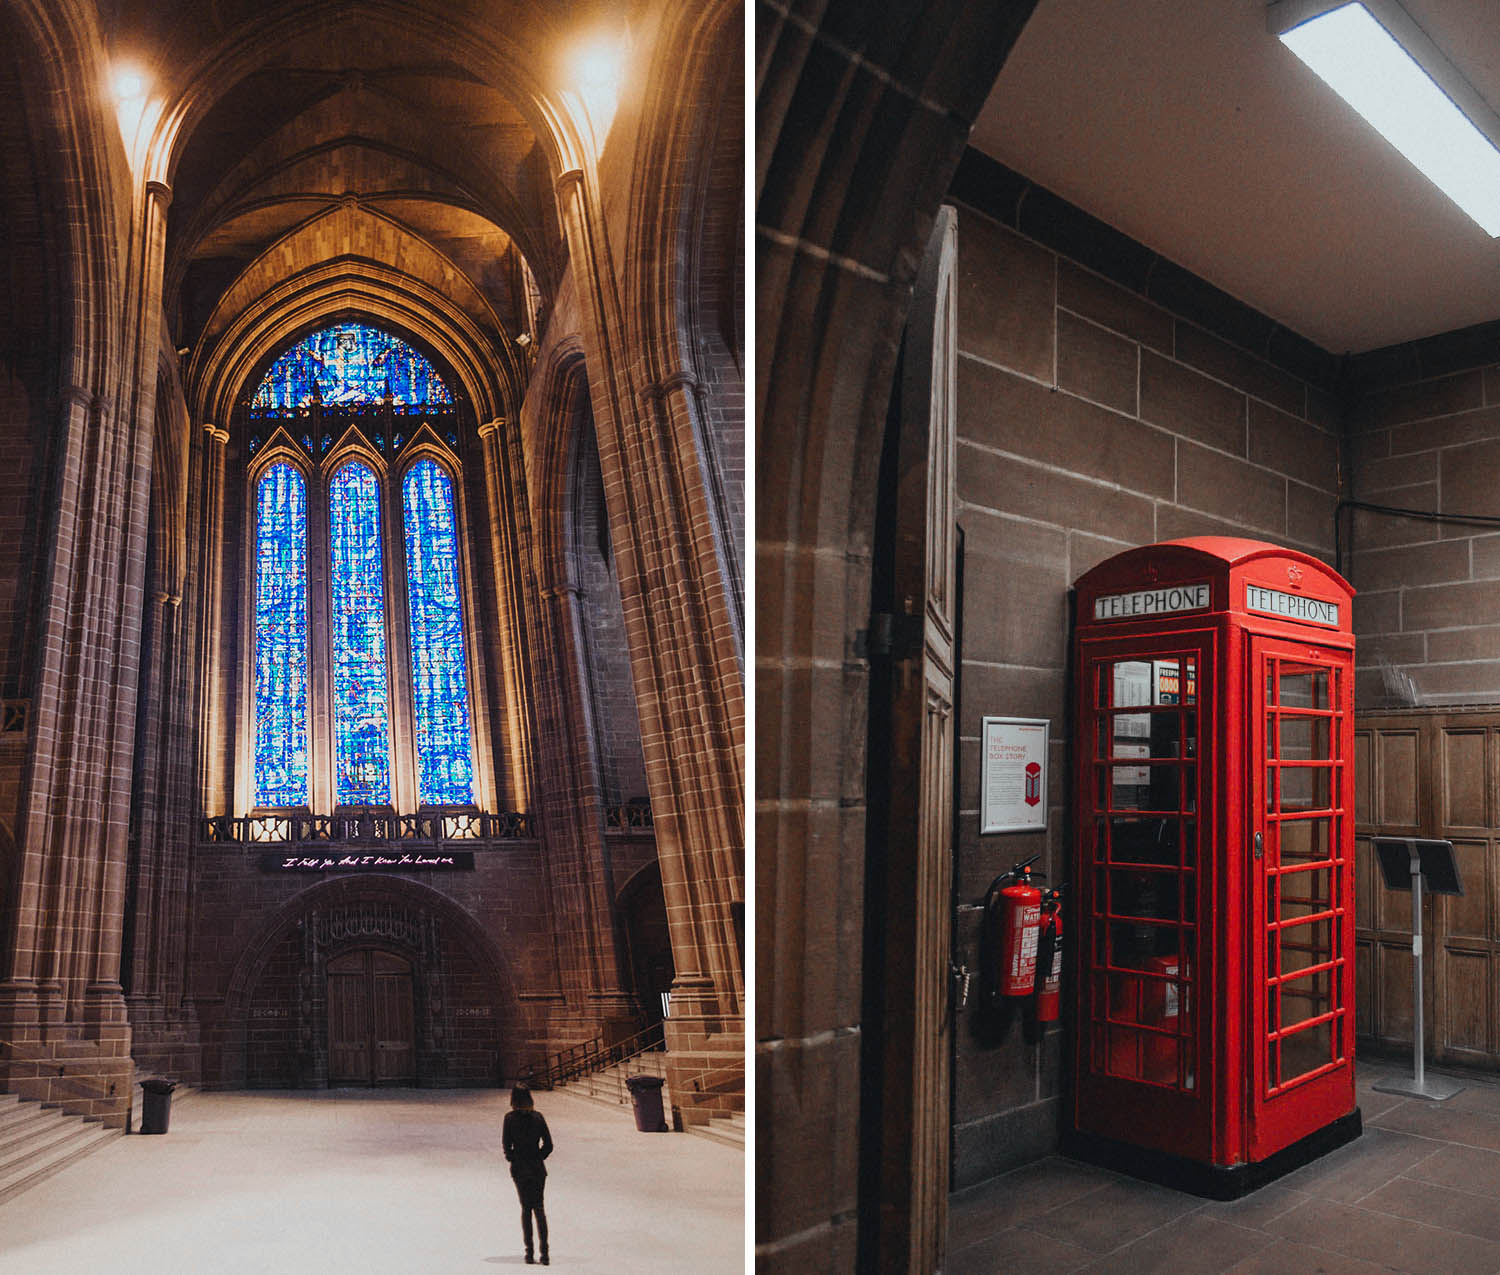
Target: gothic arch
point(288, 289)
point(372, 889)
point(850, 174)
point(60, 75)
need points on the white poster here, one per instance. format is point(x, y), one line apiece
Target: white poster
point(1013, 782)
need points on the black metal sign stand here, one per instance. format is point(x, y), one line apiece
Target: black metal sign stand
point(1404, 862)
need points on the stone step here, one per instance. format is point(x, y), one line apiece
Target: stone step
point(39, 1141)
point(48, 1155)
point(19, 1124)
point(729, 1130)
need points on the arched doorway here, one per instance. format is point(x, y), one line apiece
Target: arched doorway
point(643, 908)
point(371, 1019)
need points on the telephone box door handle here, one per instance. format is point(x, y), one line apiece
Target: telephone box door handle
point(1259, 846)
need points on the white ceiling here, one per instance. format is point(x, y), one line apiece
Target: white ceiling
point(1188, 126)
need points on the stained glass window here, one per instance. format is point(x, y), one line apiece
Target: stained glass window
point(361, 728)
point(439, 680)
point(350, 363)
point(281, 638)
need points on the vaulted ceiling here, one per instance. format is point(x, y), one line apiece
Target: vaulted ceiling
point(388, 157)
point(1192, 129)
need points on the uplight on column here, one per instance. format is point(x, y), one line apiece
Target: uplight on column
point(595, 72)
point(130, 87)
point(1375, 57)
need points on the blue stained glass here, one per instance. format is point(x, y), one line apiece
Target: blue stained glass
point(361, 729)
point(439, 677)
point(350, 363)
point(281, 638)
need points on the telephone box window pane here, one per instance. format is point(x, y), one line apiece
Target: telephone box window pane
point(1132, 683)
point(1304, 689)
point(1305, 998)
point(1303, 946)
point(1304, 787)
point(1305, 894)
point(1175, 681)
point(1304, 840)
point(1304, 738)
point(1137, 840)
point(1306, 1051)
point(1130, 787)
point(439, 677)
point(357, 621)
point(1145, 895)
point(281, 638)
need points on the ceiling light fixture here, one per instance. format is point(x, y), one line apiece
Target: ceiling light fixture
point(1374, 56)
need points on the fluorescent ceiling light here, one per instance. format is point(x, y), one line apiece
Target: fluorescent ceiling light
point(1364, 64)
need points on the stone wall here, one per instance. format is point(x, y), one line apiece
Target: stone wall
point(496, 1001)
point(1424, 436)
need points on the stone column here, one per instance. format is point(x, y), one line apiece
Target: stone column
point(573, 817)
point(214, 727)
point(63, 992)
point(515, 769)
point(685, 665)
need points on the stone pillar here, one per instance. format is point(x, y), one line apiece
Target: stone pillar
point(62, 996)
point(573, 818)
point(213, 726)
point(685, 662)
point(515, 771)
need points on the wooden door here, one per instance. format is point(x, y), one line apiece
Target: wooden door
point(905, 1117)
point(393, 1037)
point(371, 1024)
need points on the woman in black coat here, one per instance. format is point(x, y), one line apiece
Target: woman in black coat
point(527, 1143)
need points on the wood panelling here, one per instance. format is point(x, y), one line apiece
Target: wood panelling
point(1396, 754)
point(1464, 779)
point(1362, 777)
point(1466, 996)
point(1431, 773)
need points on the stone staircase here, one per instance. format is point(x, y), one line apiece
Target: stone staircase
point(608, 1087)
point(36, 1140)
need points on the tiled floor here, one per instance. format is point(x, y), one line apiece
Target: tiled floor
point(1419, 1192)
point(377, 1182)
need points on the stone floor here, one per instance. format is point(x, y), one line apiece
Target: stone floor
point(1419, 1192)
point(389, 1182)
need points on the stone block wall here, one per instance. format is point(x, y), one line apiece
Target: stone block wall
point(1428, 610)
point(1093, 416)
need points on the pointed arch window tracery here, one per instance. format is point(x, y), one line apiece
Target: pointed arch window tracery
point(357, 582)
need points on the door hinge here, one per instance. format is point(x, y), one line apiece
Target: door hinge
point(889, 637)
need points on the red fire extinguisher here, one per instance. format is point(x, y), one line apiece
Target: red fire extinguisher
point(1049, 959)
point(1014, 913)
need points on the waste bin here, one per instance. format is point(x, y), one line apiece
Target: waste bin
point(156, 1104)
point(645, 1093)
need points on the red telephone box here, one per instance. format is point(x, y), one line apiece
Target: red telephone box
point(1215, 864)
